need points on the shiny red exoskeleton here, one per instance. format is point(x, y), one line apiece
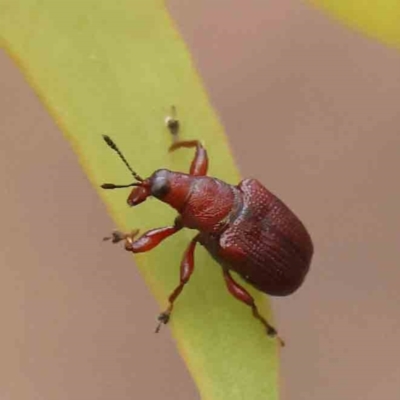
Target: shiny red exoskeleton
point(245, 228)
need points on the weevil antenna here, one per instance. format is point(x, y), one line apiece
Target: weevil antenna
point(112, 186)
point(111, 144)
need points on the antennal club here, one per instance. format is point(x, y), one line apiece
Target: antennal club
point(111, 144)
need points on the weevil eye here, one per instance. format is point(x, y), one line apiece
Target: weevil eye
point(160, 184)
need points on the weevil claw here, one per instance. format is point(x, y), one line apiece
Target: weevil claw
point(281, 341)
point(163, 319)
point(116, 236)
point(271, 332)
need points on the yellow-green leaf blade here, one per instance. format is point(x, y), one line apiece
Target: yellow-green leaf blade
point(116, 67)
point(376, 18)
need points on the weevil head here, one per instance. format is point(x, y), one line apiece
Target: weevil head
point(169, 187)
point(157, 185)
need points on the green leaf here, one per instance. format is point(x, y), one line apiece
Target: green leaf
point(376, 18)
point(116, 67)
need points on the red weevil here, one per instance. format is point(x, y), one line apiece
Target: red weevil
point(245, 228)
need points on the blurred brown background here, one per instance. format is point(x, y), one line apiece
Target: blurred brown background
point(311, 109)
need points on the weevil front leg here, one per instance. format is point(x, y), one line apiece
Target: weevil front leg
point(187, 267)
point(199, 164)
point(118, 236)
point(148, 240)
point(241, 294)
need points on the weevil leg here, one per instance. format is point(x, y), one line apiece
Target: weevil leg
point(241, 294)
point(187, 267)
point(148, 240)
point(199, 164)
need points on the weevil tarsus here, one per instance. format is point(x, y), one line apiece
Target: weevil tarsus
point(173, 124)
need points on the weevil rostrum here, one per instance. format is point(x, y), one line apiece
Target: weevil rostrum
point(245, 228)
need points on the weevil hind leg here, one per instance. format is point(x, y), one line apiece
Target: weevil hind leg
point(199, 164)
point(241, 294)
point(186, 270)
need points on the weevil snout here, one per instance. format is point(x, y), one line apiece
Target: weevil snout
point(139, 194)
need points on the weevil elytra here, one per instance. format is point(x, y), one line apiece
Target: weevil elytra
point(245, 228)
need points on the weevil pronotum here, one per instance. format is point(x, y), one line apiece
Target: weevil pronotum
point(245, 228)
